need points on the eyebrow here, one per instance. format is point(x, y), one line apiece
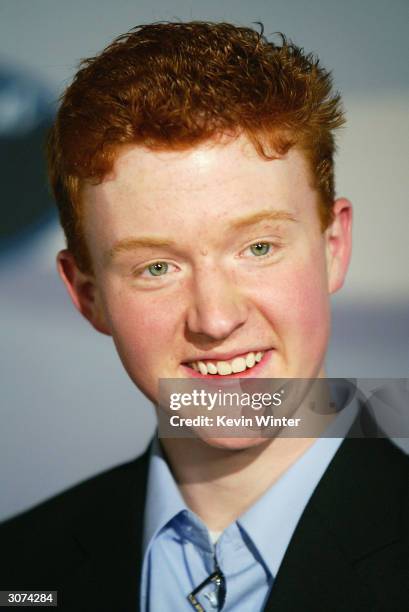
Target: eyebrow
point(263, 215)
point(131, 244)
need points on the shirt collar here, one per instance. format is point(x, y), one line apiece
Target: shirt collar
point(271, 521)
point(164, 500)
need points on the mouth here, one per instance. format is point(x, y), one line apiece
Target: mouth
point(245, 364)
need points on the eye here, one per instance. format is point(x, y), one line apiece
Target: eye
point(155, 270)
point(260, 248)
point(159, 268)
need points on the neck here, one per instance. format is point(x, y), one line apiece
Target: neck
point(219, 484)
point(221, 479)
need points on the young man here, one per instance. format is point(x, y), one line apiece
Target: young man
point(192, 165)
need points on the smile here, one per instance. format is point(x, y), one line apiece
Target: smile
point(225, 368)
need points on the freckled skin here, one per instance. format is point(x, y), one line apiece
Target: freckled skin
point(216, 294)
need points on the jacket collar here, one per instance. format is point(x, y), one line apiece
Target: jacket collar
point(110, 537)
point(340, 527)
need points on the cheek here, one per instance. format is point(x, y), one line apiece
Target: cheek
point(295, 301)
point(142, 326)
point(308, 298)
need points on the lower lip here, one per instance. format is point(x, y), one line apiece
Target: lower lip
point(248, 373)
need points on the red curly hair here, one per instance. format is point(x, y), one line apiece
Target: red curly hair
point(175, 85)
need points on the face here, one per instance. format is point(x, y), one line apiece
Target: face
point(210, 261)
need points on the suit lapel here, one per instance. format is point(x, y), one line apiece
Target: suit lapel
point(351, 515)
point(314, 575)
point(111, 539)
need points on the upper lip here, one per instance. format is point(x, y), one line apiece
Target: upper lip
point(226, 356)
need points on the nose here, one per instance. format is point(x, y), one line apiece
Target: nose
point(217, 306)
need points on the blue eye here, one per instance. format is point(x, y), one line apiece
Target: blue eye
point(159, 268)
point(260, 248)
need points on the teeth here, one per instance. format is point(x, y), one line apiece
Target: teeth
point(211, 368)
point(250, 360)
point(202, 368)
point(238, 364)
point(224, 368)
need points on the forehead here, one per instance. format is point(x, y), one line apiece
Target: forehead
point(212, 164)
point(196, 191)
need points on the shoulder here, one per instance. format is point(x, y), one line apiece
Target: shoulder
point(365, 471)
point(363, 504)
point(355, 531)
point(69, 505)
point(50, 533)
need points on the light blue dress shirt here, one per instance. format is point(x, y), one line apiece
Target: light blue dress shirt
point(178, 553)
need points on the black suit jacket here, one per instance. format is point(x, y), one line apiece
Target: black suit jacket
point(349, 552)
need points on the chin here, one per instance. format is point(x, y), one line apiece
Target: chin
point(235, 444)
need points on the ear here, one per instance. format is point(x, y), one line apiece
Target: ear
point(83, 291)
point(338, 238)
